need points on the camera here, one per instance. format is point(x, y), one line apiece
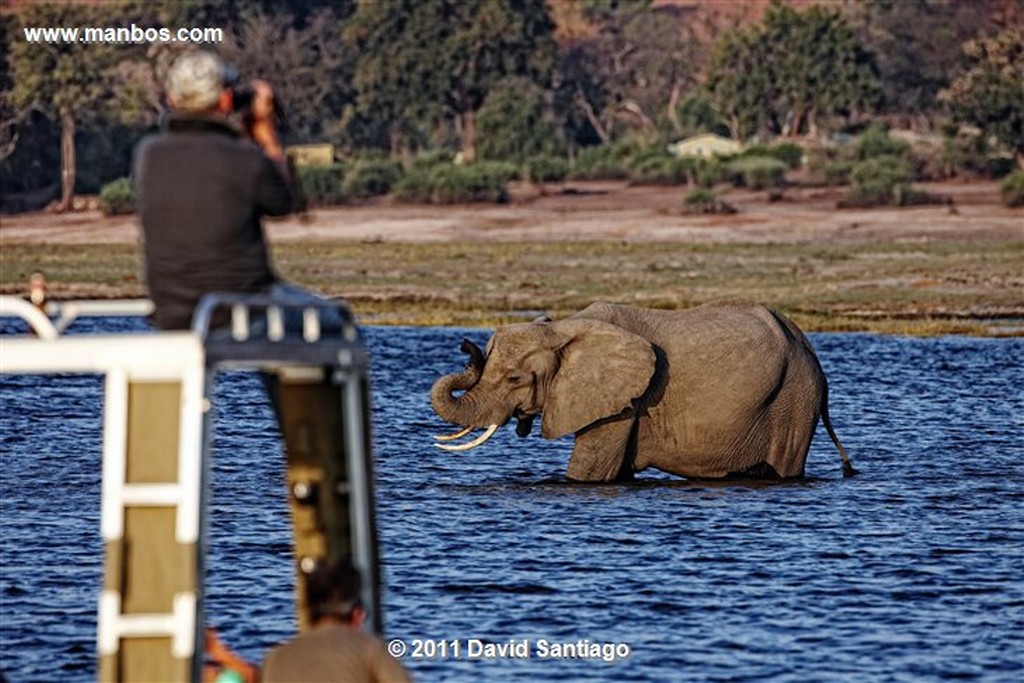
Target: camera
point(243, 96)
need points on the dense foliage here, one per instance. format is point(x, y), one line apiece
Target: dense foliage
point(1013, 189)
point(990, 92)
point(784, 75)
point(594, 89)
point(117, 197)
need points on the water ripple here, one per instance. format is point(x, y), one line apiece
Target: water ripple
point(910, 572)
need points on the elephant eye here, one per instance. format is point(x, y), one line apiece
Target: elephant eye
point(513, 379)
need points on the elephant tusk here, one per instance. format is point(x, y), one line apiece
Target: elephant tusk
point(451, 437)
point(470, 444)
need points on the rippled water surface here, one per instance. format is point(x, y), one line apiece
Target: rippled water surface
point(913, 571)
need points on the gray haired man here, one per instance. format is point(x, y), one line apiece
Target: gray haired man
point(202, 189)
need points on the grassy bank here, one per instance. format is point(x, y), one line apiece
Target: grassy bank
point(916, 287)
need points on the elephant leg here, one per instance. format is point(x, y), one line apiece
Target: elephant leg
point(792, 429)
point(604, 452)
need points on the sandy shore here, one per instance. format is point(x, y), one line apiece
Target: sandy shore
point(595, 211)
point(921, 270)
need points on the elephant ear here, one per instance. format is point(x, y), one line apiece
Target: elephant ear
point(602, 369)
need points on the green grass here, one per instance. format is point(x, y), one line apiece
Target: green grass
point(932, 287)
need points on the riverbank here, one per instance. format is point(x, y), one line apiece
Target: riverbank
point(953, 268)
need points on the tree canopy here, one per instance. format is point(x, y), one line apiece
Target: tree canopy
point(67, 82)
point(512, 78)
point(989, 92)
point(784, 75)
point(429, 60)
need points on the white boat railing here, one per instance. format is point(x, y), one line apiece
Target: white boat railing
point(156, 436)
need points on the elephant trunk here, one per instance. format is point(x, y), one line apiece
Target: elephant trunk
point(462, 409)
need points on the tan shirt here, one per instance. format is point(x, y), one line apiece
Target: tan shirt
point(332, 654)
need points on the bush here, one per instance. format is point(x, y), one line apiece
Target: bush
point(879, 180)
point(599, 163)
point(432, 158)
point(789, 153)
point(417, 186)
point(700, 196)
point(838, 172)
point(546, 169)
point(451, 184)
point(371, 178)
point(757, 172)
point(482, 182)
point(321, 185)
point(710, 172)
point(1012, 189)
point(503, 170)
point(117, 197)
point(661, 170)
point(704, 201)
point(875, 142)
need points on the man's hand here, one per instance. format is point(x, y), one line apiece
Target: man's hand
point(263, 119)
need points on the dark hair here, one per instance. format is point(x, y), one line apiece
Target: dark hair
point(333, 590)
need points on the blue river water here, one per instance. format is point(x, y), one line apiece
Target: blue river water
point(912, 571)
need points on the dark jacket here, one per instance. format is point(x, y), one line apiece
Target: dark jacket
point(201, 192)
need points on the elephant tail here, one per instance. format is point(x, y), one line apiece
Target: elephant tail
point(848, 470)
point(797, 333)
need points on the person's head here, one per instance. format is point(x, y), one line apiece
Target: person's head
point(199, 82)
point(333, 593)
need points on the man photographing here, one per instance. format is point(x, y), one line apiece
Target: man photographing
point(202, 190)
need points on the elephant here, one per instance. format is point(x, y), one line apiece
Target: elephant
point(722, 390)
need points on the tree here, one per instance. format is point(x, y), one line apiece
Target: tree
point(634, 67)
point(515, 122)
point(422, 60)
point(782, 75)
point(71, 82)
point(989, 92)
point(912, 39)
point(309, 67)
point(740, 86)
point(394, 41)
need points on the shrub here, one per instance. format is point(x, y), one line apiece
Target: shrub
point(704, 201)
point(661, 170)
point(788, 153)
point(599, 163)
point(321, 185)
point(875, 142)
point(117, 197)
point(757, 172)
point(879, 180)
point(371, 178)
point(482, 182)
point(700, 196)
point(451, 184)
point(432, 158)
point(503, 170)
point(417, 186)
point(1012, 189)
point(838, 172)
point(547, 169)
point(710, 172)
